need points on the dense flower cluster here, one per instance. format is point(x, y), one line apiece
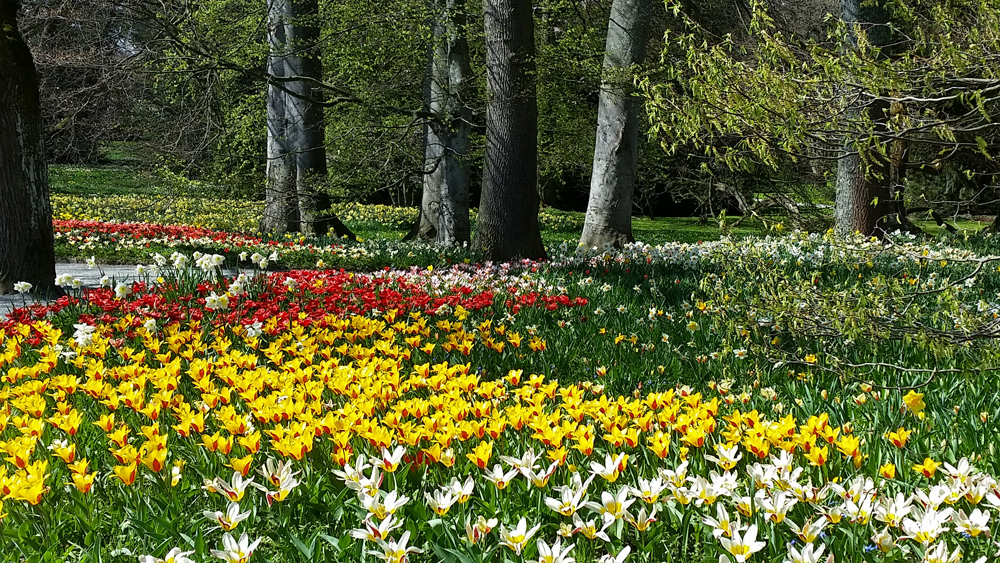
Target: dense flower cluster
point(427, 406)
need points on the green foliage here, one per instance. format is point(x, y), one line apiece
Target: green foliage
point(771, 95)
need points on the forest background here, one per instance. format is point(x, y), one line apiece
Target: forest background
point(772, 110)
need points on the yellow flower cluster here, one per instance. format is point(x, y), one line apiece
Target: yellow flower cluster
point(352, 385)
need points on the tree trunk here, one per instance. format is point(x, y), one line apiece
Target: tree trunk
point(296, 141)
point(26, 242)
point(862, 193)
point(508, 212)
point(307, 115)
point(857, 189)
point(616, 150)
point(444, 215)
point(281, 207)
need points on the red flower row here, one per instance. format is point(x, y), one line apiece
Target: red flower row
point(313, 296)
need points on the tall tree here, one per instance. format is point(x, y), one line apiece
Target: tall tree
point(616, 150)
point(281, 207)
point(305, 67)
point(444, 210)
point(507, 226)
point(862, 193)
point(26, 241)
point(877, 99)
point(296, 151)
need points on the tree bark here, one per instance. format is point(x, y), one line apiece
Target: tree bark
point(508, 212)
point(862, 193)
point(307, 116)
point(281, 207)
point(26, 242)
point(445, 203)
point(616, 150)
point(296, 139)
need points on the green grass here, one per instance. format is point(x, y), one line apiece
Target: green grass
point(106, 179)
point(122, 176)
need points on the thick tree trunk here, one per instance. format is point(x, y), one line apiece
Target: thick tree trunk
point(26, 241)
point(444, 213)
point(434, 153)
point(508, 211)
point(307, 116)
point(281, 207)
point(862, 193)
point(857, 190)
point(616, 150)
point(296, 143)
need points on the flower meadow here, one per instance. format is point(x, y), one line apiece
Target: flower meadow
point(796, 398)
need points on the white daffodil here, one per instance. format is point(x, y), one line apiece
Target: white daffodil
point(122, 290)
